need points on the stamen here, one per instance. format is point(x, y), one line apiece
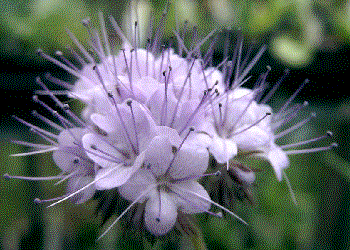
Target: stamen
point(59, 64)
point(250, 65)
point(191, 129)
point(59, 82)
point(35, 152)
point(311, 150)
point(164, 111)
point(196, 177)
point(261, 83)
point(66, 177)
point(128, 69)
point(241, 115)
point(252, 125)
point(160, 206)
point(65, 60)
point(292, 194)
point(136, 34)
point(129, 103)
point(39, 201)
point(295, 127)
point(86, 186)
point(328, 134)
point(210, 99)
point(218, 214)
point(80, 47)
point(104, 33)
point(64, 107)
point(109, 157)
point(33, 145)
point(119, 31)
point(47, 121)
point(275, 87)
point(63, 120)
point(35, 128)
point(160, 29)
point(7, 176)
point(293, 96)
point(280, 119)
point(149, 42)
point(194, 113)
point(123, 124)
point(220, 113)
point(76, 56)
point(180, 95)
point(197, 47)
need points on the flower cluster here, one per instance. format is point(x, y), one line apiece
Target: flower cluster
point(153, 117)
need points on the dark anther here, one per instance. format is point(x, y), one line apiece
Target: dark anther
point(85, 21)
point(129, 102)
point(37, 200)
point(39, 51)
point(329, 133)
point(65, 106)
point(76, 161)
point(35, 98)
point(174, 149)
point(334, 145)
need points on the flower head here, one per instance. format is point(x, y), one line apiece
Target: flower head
point(153, 117)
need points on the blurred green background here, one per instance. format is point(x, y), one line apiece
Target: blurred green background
point(309, 37)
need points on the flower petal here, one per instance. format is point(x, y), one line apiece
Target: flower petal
point(279, 161)
point(117, 177)
point(158, 155)
point(100, 151)
point(190, 161)
point(137, 184)
point(251, 139)
point(223, 149)
point(160, 214)
point(170, 133)
point(188, 202)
